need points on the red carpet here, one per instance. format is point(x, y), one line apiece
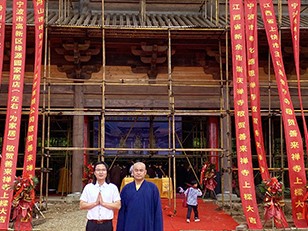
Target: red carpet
point(210, 217)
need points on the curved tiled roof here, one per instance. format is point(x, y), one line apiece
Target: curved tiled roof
point(132, 20)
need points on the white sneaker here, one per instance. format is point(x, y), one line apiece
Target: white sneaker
point(187, 220)
point(197, 220)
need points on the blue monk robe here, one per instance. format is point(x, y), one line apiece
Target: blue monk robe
point(140, 209)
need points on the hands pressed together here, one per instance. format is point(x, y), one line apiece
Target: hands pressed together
point(111, 205)
point(99, 200)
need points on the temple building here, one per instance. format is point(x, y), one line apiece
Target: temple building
point(151, 80)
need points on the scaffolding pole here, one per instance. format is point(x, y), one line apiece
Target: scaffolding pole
point(225, 109)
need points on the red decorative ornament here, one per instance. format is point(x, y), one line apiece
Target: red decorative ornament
point(207, 177)
point(273, 203)
point(88, 173)
point(23, 202)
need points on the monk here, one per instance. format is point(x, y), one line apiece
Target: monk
point(141, 205)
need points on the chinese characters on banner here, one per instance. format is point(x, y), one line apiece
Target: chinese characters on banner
point(24, 222)
point(244, 160)
point(14, 105)
point(294, 7)
point(294, 145)
point(31, 142)
point(253, 79)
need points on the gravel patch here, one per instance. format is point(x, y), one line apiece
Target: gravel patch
point(61, 217)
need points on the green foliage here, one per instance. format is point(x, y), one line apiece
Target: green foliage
point(58, 142)
point(196, 142)
point(262, 187)
point(54, 142)
point(272, 187)
point(35, 180)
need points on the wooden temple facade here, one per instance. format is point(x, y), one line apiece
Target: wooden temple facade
point(152, 60)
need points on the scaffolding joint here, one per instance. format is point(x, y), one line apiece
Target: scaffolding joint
point(46, 170)
point(46, 155)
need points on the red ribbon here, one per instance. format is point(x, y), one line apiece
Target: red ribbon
point(244, 159)
point(294, 15)
point(31, 142)
point(294, 145)
point(273, 202)
point(253, 78)
point(14, 106)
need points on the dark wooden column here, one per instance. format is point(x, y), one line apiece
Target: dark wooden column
point(78, 59)
point(78, 141)
point(227, 144)
point(213, 139)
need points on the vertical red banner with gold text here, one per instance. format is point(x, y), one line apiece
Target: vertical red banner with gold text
point(294, 145)
point(2, 33)
point(31, 142)
point(243, 149)
point(253, 79)
point(294, 15)
point(14, 106)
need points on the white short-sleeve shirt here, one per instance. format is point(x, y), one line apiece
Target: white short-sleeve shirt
point(110, 194)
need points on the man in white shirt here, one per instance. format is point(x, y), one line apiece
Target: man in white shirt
point(100, 199)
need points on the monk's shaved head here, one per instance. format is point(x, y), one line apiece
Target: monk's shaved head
point(139, 165)
point(139, 171)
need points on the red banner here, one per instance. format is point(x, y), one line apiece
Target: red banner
point(31, 142)
point(14, 106)
point(253, 78)
point(2, 33)
point(24, 216)
point(294, 145)
point(244, 160)
point(294, 15)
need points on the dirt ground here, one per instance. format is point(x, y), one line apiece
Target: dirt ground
point(62, 216)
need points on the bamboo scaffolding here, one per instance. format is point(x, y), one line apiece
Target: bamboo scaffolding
point(172, 123)
point(127, 81)
point(269, 109)
point(170, 112)
point(117, 112)
point(45, 60)
point(137, 149)
point(103, 87)
point(227, 136)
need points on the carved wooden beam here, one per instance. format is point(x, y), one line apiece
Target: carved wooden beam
point(152, 56)
point(211, 64)
point(79, 59)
